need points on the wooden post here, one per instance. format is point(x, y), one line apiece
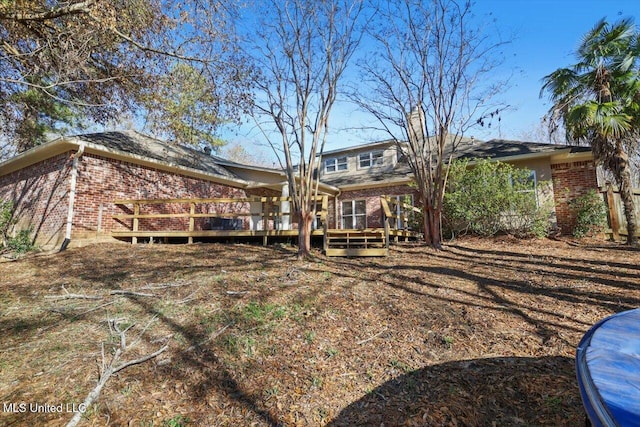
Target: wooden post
point(265, 222)
point(136, 212)
point(386, 231)
point(613, 213)
point(192, 212)
point(325, 241)
point(324, 218)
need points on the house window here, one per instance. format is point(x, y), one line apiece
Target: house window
point(354, 214)
point(372, 158)
point(335, 164)
point(529, 186)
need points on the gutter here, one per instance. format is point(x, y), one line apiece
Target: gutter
point(72, 196)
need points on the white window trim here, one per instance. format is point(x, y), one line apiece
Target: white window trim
point(378, 160)
point(336, 163)
point(353, 209)
point(534, 190)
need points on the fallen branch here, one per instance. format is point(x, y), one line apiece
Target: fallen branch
point(68, 295)
point(189, 298)
point(132, 293)
point(107, 370)
point(212, 336)
point(151, 286)
point(372, 337)
point(72, 296)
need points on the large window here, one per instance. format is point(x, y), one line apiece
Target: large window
point(529, 185)
point(354, 214)
point(373, 158)
point(335, 164)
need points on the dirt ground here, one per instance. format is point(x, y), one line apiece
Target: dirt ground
point(482, 333)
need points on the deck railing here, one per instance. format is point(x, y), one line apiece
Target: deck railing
point(398, 217)
point(238, 216)
point(616, 217)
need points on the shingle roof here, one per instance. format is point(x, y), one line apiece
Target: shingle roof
point(501, 148)
point(131, 142)
point(496, 149)
point(375, 175)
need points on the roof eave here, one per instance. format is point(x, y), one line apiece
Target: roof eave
point(36, 154)
point(159, 164)
point(64, 144)
point(557, 155)
point(376, 184)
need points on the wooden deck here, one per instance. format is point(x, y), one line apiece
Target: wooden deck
point(259, 217)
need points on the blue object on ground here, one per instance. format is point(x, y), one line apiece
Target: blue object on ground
point(608, 370)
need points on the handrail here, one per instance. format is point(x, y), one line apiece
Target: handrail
point(211, 200)
point(265, 214)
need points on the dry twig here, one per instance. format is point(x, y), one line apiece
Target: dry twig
point(132, 293)
point(107, 370)
point(372, 337)
point(68, 295)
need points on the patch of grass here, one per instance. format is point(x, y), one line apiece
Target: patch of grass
point(260, 315)
point(309, 337)
point(271, 392)
point(447, 340)
point(553, 402)
point(331, 352)
point(176, 421)
point(316, 382)
point(249, 346)
point(400, 365)
point(229, 343)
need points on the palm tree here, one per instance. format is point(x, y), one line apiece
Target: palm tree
point(597, 101)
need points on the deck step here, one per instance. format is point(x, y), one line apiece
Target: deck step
point(368, 242)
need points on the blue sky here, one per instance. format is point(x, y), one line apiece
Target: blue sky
point(544, 36)
point(547, 33)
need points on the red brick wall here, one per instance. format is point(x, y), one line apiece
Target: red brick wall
point(40, 197)
point(372, 197)
point(102, 180)
point(571, 180)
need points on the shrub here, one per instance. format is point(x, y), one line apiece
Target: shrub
point(491, 198)
point(591, 214)
point(22, 242)
point(6, 219)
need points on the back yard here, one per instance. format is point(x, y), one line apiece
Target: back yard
point(482, 333)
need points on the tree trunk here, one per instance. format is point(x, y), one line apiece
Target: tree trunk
point(626, 195)
point(431, 225)
point(304, 234)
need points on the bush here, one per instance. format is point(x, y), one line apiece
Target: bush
point(6, 217)
point(491, 198)
point(591, 214)
point(22, 242)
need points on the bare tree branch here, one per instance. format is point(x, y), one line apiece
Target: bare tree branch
point(427, 84)
point(303, 49)
point(71, 9)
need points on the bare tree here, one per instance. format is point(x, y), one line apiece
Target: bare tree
point(303, 48)
point(428, 85)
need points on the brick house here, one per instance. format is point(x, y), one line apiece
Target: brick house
point(66, 188)
point(363, 173)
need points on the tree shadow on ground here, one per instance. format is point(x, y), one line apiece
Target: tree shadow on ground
point(481, 392)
